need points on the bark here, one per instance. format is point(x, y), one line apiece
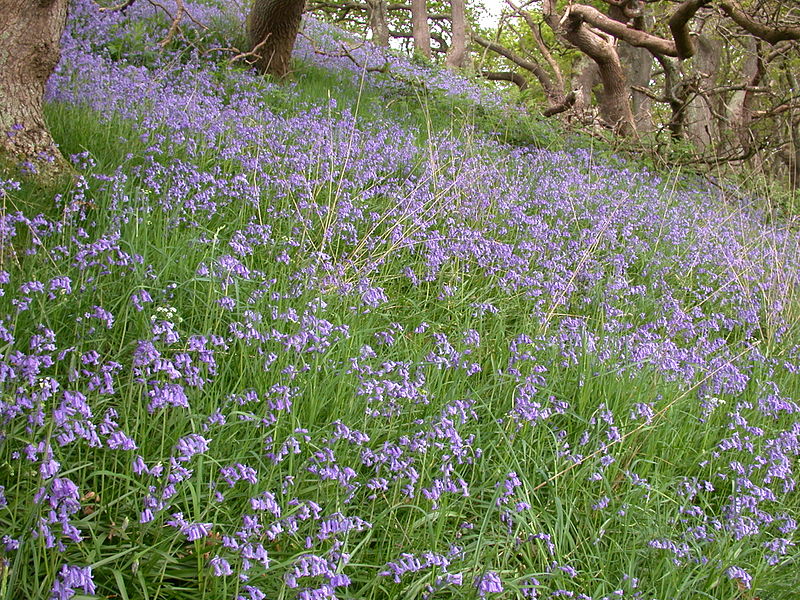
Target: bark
point(791, 156)
point(638, 65)
point(793, 153)
point(550, 15)
point(627, 10)
point(272, 30)
point(457, 55)
point(615, 108)
point(675, 96)
point(420, 28)
point(30, 35)
point(378, 23)
point(566, 104)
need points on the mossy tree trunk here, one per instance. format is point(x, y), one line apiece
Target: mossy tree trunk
point(379, 22)
point(272, 29)
point(30, 37)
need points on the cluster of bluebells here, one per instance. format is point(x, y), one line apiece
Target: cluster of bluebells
point(331, 48)
point(438, 292)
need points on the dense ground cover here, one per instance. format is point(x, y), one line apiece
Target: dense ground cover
point(292, 342)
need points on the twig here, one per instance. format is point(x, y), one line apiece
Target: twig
point(122, 6)
point(384, 68)
point(175, 25)
point(649, 94)
point(240, 54)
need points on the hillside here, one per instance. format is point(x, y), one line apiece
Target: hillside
point(372, 334)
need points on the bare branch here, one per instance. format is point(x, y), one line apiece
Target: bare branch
point(239, 55)
point(442, 48)
point(776, 110)
point(536, 32)
point(739, 88)
point(651, 95)
point(322, 5)
point(528, 65)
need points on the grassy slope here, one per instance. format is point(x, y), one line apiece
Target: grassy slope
point(344, 327)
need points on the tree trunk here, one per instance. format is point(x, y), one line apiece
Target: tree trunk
point(638, 64)
point(615, 108)
point(793, 164)
point(636, 61)
point(420, 28)
point(675, 94)
point(701, 125)
point(457, 55)
point(585, 77)
point(378, 23)
point(792, 151)
point(30, 36)
point(740, 106)
point(272, 29)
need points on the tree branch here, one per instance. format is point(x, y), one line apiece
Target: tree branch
point(175, 25)
point(769, 34)
point(651, 95)
point(552, 93)
point(566, 104)
point(442, 48)
point(345, 53)
point(678, 25)
point(528, 65)
point(321, 5)
point(534, 26)
point(509, 76)
point(122, 6)
point(634, 37)
point(328, 4)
